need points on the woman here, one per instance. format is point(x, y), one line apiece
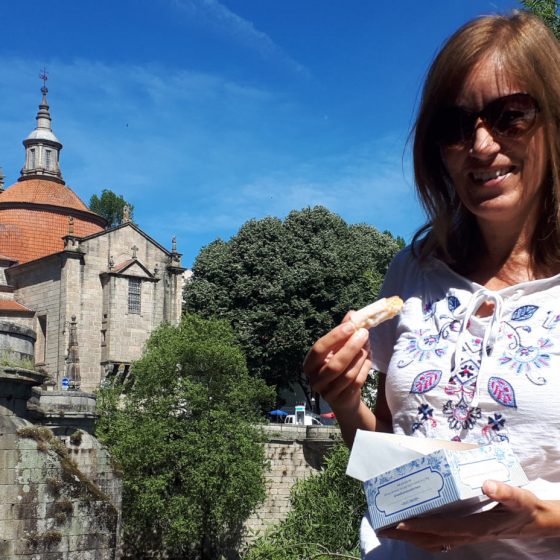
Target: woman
point(475, 354)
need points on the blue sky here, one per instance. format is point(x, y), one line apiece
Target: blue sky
point(207, 113)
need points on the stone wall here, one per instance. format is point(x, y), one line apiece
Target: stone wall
point(16, 341)
point(294, 453)
point(60, 493)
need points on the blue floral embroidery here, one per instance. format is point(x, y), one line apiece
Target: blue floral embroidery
point(522, 357)
point(497, 422)
point(524, 313)
point(425, 415)
point(525, 359)
point(551, 321)
point(461, 416)
point(429, 310)
point(423, 346)
point(425, 412)
point(462, 383)
point(453, 303)
point(426, 381)
point(462, 388)
point(495, 425)
point(502, 392)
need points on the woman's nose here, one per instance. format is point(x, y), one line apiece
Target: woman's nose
point(483, 142)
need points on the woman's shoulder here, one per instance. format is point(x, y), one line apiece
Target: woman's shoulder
point(406, 260)
point(410, 272)
point(405, 269)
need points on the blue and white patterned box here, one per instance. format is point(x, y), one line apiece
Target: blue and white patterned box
point(445, 479)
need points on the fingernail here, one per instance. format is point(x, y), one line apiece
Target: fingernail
point(348, 327)
point(361, 334)
point(490, 487)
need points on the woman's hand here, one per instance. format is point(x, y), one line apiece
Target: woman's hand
point(520, 514)
point(338, 365)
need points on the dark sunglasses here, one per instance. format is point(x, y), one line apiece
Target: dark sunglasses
point(510, 116)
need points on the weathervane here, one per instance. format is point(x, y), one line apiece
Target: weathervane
point(44, 76)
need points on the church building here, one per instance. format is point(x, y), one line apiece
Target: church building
point(77, 299)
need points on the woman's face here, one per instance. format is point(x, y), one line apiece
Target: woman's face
point(497, 178)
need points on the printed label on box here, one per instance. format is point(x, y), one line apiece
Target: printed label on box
point(409, 491)
point(474, 474)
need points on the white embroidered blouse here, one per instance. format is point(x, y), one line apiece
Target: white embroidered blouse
point(452, 375)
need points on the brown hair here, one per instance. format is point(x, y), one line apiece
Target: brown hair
point(531, 54)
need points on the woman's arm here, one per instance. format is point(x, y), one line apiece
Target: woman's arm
point(337, 367)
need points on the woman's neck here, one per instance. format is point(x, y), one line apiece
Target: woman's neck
point(505, 257)
point(496, 273)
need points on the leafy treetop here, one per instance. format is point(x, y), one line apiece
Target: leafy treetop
point(192, 460)
point(547, 10)
point(110, 206)
point(283, 284)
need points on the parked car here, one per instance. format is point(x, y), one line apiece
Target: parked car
point(308, 420)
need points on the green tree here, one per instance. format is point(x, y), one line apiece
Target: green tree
point(547, 10)
point(110, 206)
point(283, 284)
point(324, 520)
point(185, 436)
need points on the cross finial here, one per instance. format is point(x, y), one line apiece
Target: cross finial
point(44, 76)
point(174, 244)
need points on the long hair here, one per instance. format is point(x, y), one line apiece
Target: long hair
point(530, 56)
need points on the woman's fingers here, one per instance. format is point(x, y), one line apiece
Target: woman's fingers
point(326, 346)
point(339, 362)
point(344, 361)
point(332, 383)
point(515, 499)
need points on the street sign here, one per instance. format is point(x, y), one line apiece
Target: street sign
point(65, 383)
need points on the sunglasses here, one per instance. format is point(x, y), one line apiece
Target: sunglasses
point(510, 116)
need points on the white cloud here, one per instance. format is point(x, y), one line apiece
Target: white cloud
point(216, 16)
point(368, 185)
point(198, 154)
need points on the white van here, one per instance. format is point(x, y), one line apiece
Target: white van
point(308, 420)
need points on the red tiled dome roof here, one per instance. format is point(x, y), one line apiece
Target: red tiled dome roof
point(43, 191)
point(34, 218)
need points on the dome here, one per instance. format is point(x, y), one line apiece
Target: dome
point(42, 134)
point(34, 218)
point(44, 192)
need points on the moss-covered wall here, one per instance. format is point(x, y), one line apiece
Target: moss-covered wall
point(52, 506)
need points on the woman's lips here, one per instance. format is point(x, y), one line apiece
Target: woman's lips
point(490, 175)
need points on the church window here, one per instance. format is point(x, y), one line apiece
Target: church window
point(48, 159)
point(32, 158)
point(134, 295)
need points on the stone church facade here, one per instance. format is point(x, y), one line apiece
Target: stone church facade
point(76, 298)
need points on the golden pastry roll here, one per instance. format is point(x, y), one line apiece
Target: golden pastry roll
point(375, 313)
